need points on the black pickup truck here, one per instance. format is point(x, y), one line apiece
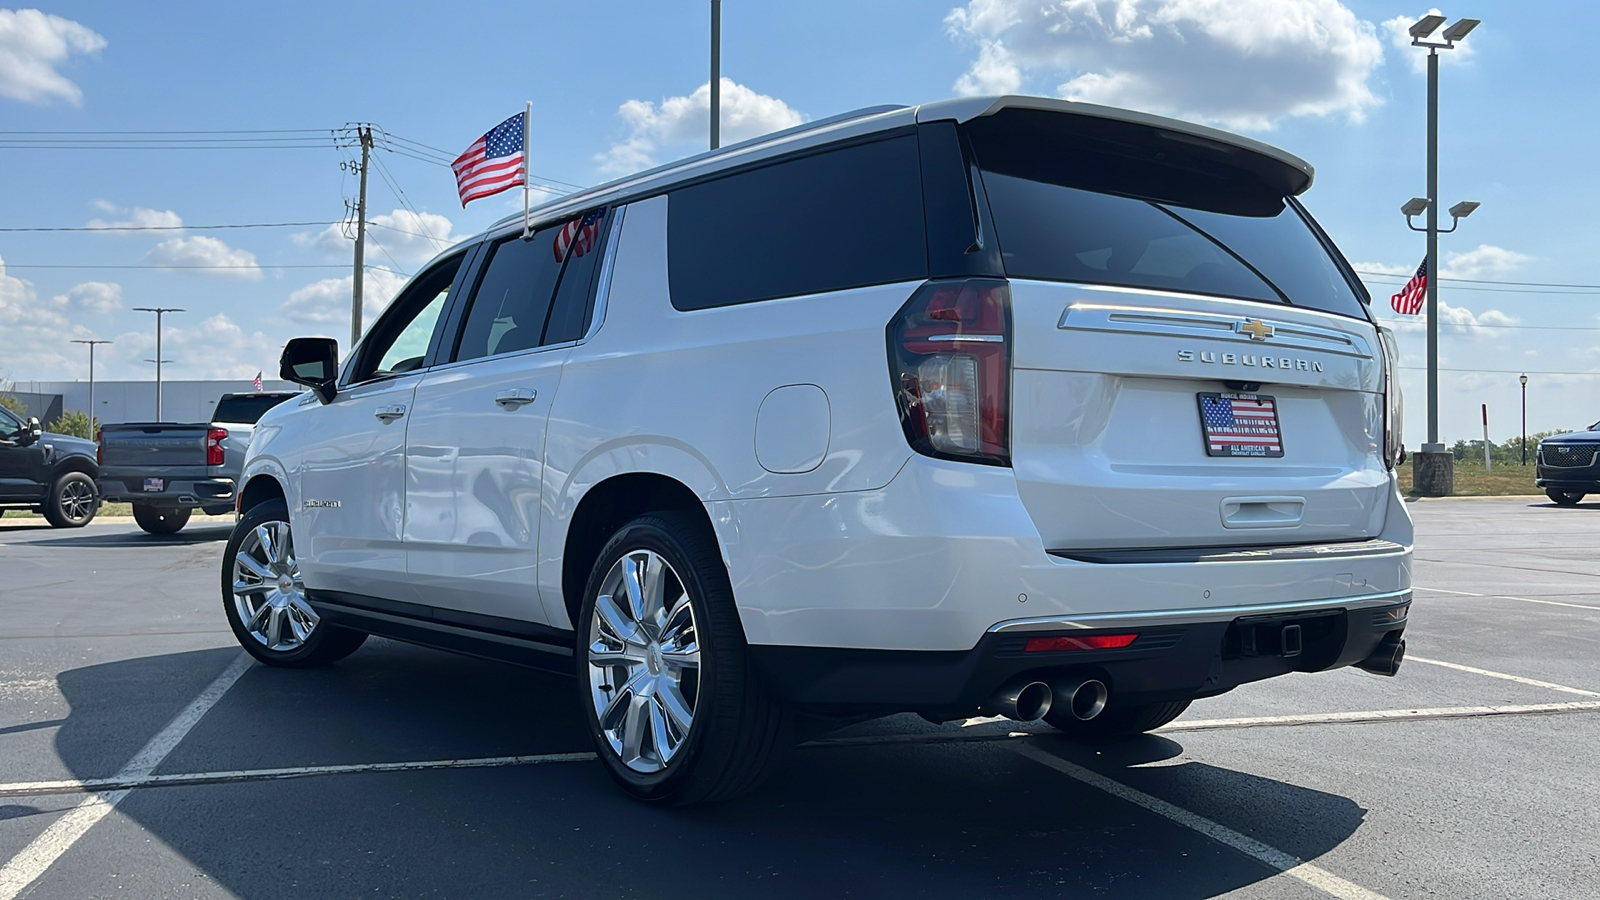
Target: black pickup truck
point(49, 473)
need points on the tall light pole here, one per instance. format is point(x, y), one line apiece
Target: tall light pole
point(716, 73)
point(1434, 467)
point(1524, 379)
point(158, 310)
point(92, 417)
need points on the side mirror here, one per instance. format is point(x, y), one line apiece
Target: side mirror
point(30, 433)
point(313, 362)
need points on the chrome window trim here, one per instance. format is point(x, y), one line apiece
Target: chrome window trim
point(602, 290)
point(1194, 616)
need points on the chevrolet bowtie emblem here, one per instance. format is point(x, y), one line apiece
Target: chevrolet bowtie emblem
point(1257, 329)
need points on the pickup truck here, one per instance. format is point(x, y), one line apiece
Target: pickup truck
point(48, 473)
point(167, 471)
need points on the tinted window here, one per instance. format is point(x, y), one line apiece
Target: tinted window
point(246, 409)
point(399, 341)
point(839, 219)
point(9, 424)
point(569, 317)
point(1074, 199)
point(513, 296)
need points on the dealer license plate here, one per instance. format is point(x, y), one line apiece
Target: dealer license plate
point(1240, 425)
point(155, 484)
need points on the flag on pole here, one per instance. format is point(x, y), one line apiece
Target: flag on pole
point(258, 382)
point(1409, 301)
point(579, 234)
point(494, 162)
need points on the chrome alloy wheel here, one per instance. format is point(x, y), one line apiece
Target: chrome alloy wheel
point(77, 500)
point(644, 661)
point(268, 592)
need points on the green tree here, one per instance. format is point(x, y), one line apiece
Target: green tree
point(9, 400)
point(76, 424)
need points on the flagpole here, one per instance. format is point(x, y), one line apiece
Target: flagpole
point(527, 130)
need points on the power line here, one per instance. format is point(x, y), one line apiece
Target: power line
point(1498, 371)
point(1483, 325)
point(12, 265)
point(1403, 278)
point(171, 227)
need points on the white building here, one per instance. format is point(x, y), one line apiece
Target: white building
point(135, 401)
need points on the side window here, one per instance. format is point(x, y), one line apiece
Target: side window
point(534, 292)
point(839, 219)
point(10, 425)
point(399, 341)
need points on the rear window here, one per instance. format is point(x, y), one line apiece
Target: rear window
point(1105, 209)
point(246, 409)
point(843, 218)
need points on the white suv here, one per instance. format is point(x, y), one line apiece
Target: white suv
point(1013, 406)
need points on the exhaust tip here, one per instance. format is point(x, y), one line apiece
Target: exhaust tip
point(1088, 699)
point(1024, 701)
point(1386, 659)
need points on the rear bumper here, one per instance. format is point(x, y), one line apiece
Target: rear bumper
point(1178, 656)
point(207, 493)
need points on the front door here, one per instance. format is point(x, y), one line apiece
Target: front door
point(20, 466)
point(350, 514)
point(475, 441)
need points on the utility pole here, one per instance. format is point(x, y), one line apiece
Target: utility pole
point(92, 416)
point(716, 73)
point(361, 238)
point(158, 310)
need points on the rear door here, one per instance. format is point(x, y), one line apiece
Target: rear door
point(475, 441)
point(1193, 365)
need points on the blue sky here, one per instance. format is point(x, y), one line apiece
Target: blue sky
point(614, 86)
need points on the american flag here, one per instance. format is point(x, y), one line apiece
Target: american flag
point(580, 234)
point(1236, 425)
point(1409, 301)
point(493, 163)
point(258, 382)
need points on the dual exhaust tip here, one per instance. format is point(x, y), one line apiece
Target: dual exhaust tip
point(1029, 700)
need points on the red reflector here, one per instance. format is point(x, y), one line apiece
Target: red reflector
point(1087, 642)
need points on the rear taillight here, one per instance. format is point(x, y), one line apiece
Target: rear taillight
point(1393, 406)
point(214, 439)
point(950, 364)
point(99, 449)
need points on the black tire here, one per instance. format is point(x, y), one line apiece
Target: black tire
point(161, 519)
point(323, 645)
point(738, 733)
point(1563, 498)
point(1116, 721)
point(72, 502)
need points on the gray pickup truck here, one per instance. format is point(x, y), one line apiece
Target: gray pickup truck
point(167, 471)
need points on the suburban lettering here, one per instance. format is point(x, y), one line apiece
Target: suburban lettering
point(1185, 356)
point(1228, 359)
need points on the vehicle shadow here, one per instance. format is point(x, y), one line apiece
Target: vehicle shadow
point(944, 817)
point(197, 535)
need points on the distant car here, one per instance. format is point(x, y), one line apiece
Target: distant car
point(167, 471)
point(51, 473)
point(1566, 465)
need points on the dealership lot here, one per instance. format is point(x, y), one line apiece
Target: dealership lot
point(140, 755)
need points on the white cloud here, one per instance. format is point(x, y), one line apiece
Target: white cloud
point(681, 122)
point(37, 336)
point(205, 251)
point(327, 302)
point(32, 45)
point(1483, 261)
point(406, 236)
point(134, 217)
point(91, 296)
point(1240, 63)
point(217, 347)
point(1462, 322)
point(1399, 31)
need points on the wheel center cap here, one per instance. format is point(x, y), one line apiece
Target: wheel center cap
point(653, 660)
point(285, 584)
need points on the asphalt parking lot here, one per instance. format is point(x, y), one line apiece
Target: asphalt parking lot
point(141, 756)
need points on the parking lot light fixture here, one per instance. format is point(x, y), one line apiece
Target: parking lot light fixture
point(1416, 206)
point(1459, 30)
point(1425, 26)
point(1524, 379)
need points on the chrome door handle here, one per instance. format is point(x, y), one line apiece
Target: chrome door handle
point(517, 398)
point(389, 413)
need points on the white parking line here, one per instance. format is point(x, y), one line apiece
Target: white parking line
point(1509, 597)
point(57, 839)
point(1503, 676)
point(1314, 876)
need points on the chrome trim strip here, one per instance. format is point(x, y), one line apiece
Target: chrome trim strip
point(1081, 316)
point(602, 291)
point(1194, 616)
point(975, 338)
